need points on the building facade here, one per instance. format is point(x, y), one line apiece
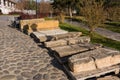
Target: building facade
point(7, 6)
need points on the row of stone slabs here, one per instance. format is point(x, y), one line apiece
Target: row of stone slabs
point(87, 60)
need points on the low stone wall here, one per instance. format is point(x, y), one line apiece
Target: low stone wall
point(28, 26)
point(29, 22)
point(48, 25)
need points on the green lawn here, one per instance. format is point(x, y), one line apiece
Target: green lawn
point(77, 18)
point(113, 26)
point(96, 39)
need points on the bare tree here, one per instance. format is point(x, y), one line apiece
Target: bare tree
point(113, 9)
point(93, 11)
point(21, 4)
point(26, 4)
point(114, 13)
point(45, 7)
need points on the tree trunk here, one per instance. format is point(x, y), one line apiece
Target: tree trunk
point(92, 32)
point(70, 12)
point(61, 17)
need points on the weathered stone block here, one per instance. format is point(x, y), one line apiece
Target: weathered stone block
point(78, 48)
point(53, 32)
point(115, 56)
point(37, 35)
point(55, 43)
point(68, 35)
point(103, 61)
point(48, 25)
point(68, 50)
point(72, 49)
point(42, 37)
point(33, 25)
point(115, 59)
point(90, 46)
point(84, 39)
point(75, 34)
point(64, 50)
point(102, 58)
point(30, 22)
point(81, 64)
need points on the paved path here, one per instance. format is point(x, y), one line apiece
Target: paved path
point(22, 59)
point(101, 31)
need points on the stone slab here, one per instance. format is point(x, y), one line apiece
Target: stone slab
point(96, 73)
point(83, 39)
point(55, 43)
point(106, 57)
point(68, 50)
point(73, 49)
point(103, 61)
point(64, 50)
point(38, 34)
point(68, 35)
point(53, 32)
point(102, 57)
point(82, 64)
point(115, 56)
point(41, 37)
point(90, 45)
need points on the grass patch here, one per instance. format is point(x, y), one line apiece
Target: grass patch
point(77, 18)
point(96, 39)
point(113, 23)
point(72, 28)
point(112, 26)
point(105, 41)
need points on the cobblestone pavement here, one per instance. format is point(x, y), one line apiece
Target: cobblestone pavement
point(101, 31)
point(22, 59)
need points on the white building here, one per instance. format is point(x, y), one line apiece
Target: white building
point(7, 6)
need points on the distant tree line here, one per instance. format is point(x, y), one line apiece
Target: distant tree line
point(96, 12)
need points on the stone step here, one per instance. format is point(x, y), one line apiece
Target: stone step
point(72, 49)
point(77, 40)
point(68, 41)
point(53, 32)
point(57, 34)
point(68, 35)
point(41, 37)
point(55, 43)
point(102, 58)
